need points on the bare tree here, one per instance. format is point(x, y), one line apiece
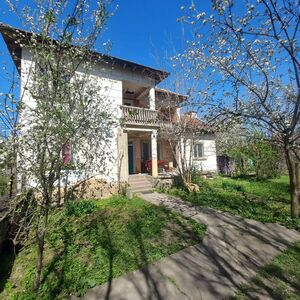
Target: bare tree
point(245, 57)
point(181, 131)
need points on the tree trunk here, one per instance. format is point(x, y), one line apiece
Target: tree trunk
point(294, 184)
point(297, 189)
point(59, 188)
point(11, 183)
point(40, 239)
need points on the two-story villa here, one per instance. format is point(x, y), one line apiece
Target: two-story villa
point(137, 146)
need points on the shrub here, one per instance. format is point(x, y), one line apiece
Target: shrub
point(79, 208)
point(266, 158)
point(258, 155)
point(240, 155)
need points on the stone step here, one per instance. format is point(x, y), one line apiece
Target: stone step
point(141, 190)
point(139, 180)
point(139, 177)
point(140, 184)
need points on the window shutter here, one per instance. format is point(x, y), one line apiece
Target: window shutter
point(66, 153)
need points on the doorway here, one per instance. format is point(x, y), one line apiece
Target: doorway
point(130, 158)
point(145, 155)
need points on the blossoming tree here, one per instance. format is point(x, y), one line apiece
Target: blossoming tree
point(247, 57)
point(60, 108)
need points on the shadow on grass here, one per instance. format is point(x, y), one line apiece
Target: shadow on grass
point(93, 249)
point(225, 196)
point(142, 262)
point(57, 266)
point(105, 242)
point(278, 280)
point(150, 284)
point(62, 260)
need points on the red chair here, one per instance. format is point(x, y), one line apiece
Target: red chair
point(148, 164)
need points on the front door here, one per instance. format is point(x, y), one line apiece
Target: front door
point(130, 158)
point(145, 156)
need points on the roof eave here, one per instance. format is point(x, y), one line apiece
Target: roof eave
point(8, 32)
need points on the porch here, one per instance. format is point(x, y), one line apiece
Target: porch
point(144, 152)
point(141, 154)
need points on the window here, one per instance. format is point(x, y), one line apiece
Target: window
point(66, 154)
point(198, 151)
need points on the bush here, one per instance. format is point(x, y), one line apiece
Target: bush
point(79, 208)
point(258, 155)
point(266, 159)
point(240, 155)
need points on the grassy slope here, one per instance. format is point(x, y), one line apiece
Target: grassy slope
point(278, 280)
point(266, 201)
point(89, 247)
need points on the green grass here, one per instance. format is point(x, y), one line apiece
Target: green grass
point(89, 243)
point(273, 189)
point(265, 201)
point(278, 280)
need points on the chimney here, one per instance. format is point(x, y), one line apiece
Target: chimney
point(191, 114)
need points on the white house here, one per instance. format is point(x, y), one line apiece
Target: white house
point(200, 152)
point(137, 146)
point(204, 153)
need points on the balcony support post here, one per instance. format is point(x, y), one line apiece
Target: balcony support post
point(152, 98)
point(154, 152)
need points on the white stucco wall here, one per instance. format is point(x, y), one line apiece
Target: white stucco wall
point(208, 163)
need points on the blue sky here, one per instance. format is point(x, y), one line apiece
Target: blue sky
point(144, 31)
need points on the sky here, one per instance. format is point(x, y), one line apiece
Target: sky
point(146, 31)
point(142, 31)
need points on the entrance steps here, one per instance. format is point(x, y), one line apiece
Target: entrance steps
point(140, 183)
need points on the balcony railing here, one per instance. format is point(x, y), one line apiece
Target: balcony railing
point(140, 116)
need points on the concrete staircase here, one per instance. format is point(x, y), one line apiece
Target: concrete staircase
point(140, 183)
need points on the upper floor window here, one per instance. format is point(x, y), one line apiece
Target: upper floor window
point(198, 150)
point(66, 153)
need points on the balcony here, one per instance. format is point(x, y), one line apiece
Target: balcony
point(140, 116)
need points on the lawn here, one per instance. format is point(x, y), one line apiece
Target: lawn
point(265, 201)
point(91, 242)
point(278, 280)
